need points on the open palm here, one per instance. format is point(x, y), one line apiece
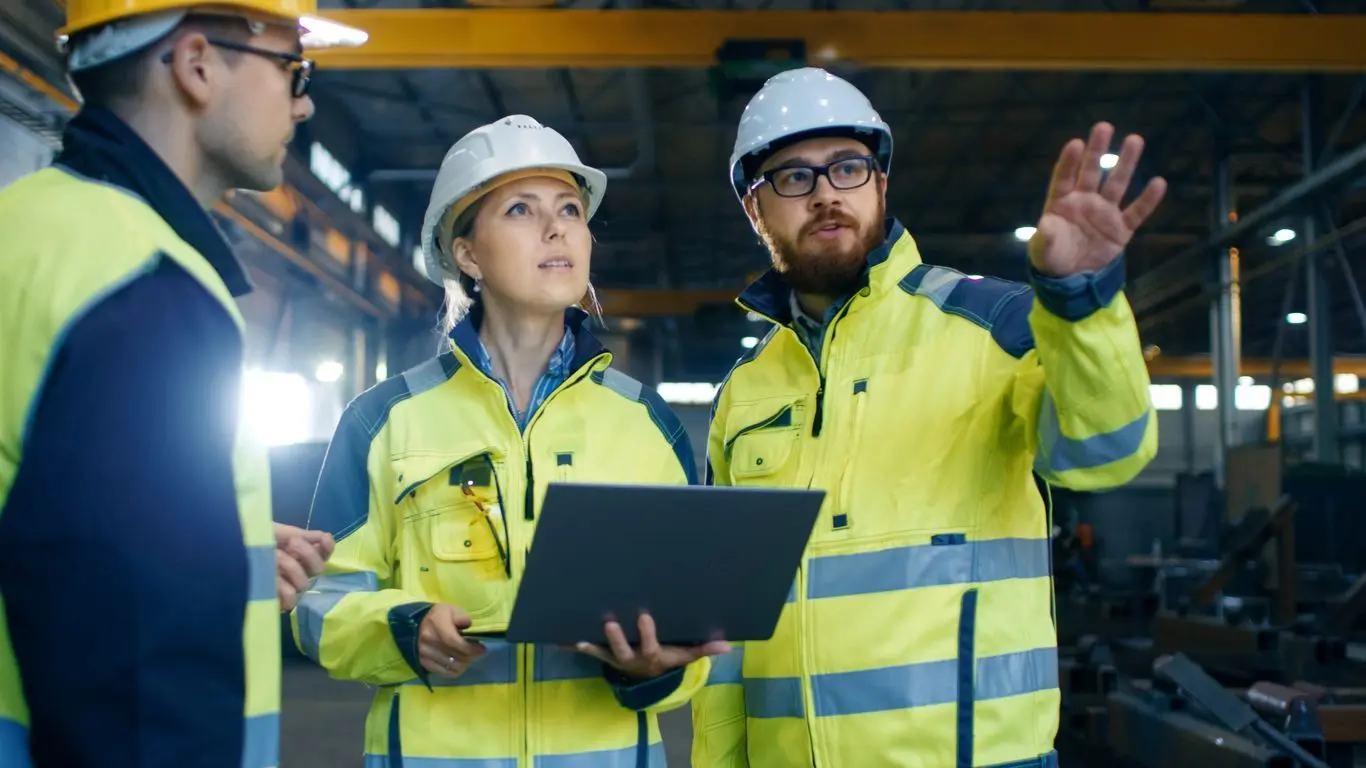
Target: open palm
point(1083, 228)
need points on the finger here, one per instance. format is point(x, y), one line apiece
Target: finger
point(597, 652)
point(289, 597)
point(1065, 170)
point(616, 641)
point(449, 638)
point(306, 555)
point(441, 664)
point(289, 570)
point(322, 541)
point(714, 648)
point(649, 641)
point(1117, 183)
point(283, 533)
point(1142, 207)
point(1097, 145)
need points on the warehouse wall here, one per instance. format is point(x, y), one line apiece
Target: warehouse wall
point(24, 152)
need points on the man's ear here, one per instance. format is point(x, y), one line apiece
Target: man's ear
point(462, 253)
point(751, 205)
point(190, 63)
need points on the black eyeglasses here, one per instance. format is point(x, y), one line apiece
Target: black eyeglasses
point(300, 68)
point(800, 180)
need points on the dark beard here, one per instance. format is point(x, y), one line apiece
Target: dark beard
point(825, 269)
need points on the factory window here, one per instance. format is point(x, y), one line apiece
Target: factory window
point(386, 226)
point(1166, 397)
point(686, 392)
point(1246, 397)
point(331, 172)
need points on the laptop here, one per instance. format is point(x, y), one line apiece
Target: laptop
point(705, 562)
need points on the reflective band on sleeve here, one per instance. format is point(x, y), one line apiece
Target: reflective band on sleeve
point(727, 669)
point(1059, 453)
point(13, 745)
point(262, 743)
point(314, 605)
point(262, 572)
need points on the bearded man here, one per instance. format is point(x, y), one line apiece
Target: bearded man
point(927, 404)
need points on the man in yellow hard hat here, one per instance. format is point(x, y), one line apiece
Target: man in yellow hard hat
point(138, 566)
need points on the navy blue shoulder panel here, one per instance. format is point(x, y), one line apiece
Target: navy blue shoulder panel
point(1001, 307)
point(341, 502)
point(660, 413)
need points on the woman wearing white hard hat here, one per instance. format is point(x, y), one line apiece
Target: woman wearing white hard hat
point(432, 484)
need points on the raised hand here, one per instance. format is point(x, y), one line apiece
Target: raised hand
point(1083, 227)
point(300, 556)
point(651, 659)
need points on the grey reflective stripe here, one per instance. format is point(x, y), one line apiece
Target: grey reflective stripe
point(553, 663)
point(769, 697)
point(424, 376)
point(726, 669)
point(261, 745)
point(1059, 453)
point(622, 384)
point(927, 565)
point(937, 284)
point(14, 745)
point(498, 666)
point(903, 687)
point(315, 604)
point(382, 761)
point(608, 758)
point(261, 572)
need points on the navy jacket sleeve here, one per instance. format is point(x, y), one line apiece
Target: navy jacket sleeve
point(121, 554)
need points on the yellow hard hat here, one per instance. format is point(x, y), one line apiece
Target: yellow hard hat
point(151, 16)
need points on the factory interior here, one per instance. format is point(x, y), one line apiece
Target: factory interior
point(1228, 578)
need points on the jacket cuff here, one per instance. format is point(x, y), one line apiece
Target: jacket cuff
point(637, 695)
point(404, 622)
point(1077, 297)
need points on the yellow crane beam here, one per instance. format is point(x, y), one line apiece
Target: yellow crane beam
point(980, 40)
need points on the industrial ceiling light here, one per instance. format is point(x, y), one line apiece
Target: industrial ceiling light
point(1296, 318)
point(1281, 236)
point(328, 371)
point(749, 342)
point(1109, 160)
point(1024, 233)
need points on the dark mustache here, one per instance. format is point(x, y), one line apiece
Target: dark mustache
point(832, 216)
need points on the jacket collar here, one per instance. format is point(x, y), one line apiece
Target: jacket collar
point(465, 336)
point(99, 146)
point(770, 295)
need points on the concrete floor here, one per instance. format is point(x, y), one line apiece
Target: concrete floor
point(323, 722)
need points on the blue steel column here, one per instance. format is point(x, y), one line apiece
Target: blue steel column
point(1320, 299)
point(1226, 343)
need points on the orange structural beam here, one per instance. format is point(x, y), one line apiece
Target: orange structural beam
point(439, 38)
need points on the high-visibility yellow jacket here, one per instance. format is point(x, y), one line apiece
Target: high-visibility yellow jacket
point(393, 491)
point(71, 248)
point(919, 632)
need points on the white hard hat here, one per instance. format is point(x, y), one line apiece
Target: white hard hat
point(514, 143)
point(800, 102)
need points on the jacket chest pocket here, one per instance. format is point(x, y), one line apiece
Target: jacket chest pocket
point(456, 514)
point(766, 451)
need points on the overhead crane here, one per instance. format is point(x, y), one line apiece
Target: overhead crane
point(965, 40)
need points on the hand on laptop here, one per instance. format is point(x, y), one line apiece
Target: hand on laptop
point(440, 646)
point(650, 659)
